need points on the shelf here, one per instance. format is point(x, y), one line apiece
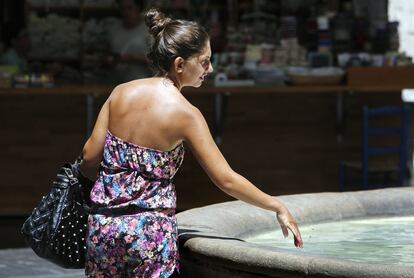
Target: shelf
point(381, 76)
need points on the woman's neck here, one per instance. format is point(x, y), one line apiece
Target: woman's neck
point(174, 81)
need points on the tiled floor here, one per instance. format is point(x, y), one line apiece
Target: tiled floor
point(17, 261)
point(23, 262)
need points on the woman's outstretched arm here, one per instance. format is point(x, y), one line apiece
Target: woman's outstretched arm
point(196, 133)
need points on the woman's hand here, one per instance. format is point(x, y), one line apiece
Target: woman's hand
point(287, 222)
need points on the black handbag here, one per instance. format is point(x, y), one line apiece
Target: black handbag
point(56, 229)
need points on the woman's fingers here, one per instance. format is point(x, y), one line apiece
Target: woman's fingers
point(283, 224)
point(297, 243)
point(293, 227)
point(287, 223)
point(285, 231)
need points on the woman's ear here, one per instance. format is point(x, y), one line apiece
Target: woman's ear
point(179, 64)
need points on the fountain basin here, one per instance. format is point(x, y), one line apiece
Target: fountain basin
point(212, 238)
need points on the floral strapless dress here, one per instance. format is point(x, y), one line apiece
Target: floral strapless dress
point(132, 230)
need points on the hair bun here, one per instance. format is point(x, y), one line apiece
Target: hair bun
point(156, 21)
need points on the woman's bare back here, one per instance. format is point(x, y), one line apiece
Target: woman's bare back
point(144, 111)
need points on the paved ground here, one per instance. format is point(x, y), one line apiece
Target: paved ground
point(23, 262)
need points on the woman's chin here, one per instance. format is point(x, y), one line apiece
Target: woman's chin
point(198, 83)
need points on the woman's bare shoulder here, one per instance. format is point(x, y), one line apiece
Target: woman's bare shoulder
point(135, 90)
point(134, 86)
point(184, 114)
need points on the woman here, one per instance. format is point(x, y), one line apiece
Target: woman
point(133, 230)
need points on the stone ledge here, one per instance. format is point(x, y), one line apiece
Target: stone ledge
point(211, 237)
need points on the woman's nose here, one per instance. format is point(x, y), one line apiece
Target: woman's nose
point(210, 67)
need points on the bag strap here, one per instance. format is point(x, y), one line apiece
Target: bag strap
point(79, 160)
point(76, 165)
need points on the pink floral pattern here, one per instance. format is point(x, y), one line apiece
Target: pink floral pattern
point(132, 231)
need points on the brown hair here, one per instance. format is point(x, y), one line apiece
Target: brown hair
point(172, 38)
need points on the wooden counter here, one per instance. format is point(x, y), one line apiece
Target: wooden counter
point(284, 139)
point(221, 97)
point(105, 90)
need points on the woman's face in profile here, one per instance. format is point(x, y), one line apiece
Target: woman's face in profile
point(197, 67)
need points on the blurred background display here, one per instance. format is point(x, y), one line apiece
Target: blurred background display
point(257, 40)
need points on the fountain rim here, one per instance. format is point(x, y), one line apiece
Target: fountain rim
point(212, 235)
